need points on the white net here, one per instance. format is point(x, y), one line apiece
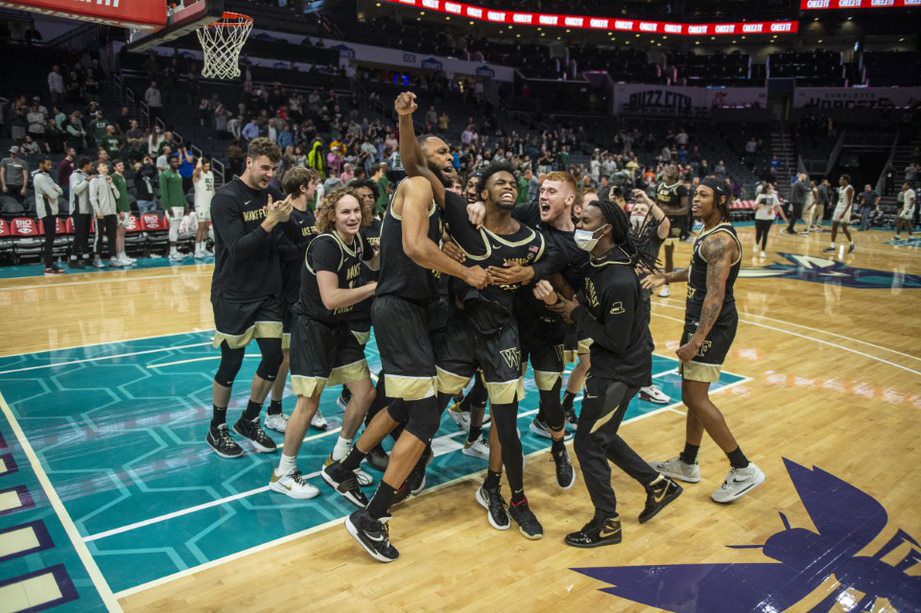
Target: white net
point(221, 43)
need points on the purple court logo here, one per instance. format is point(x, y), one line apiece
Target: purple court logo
point(801, 561)
point(825, 270)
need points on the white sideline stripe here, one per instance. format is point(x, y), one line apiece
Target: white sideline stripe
point(443, 444)
point(8, 288)
point(811, 338)
point(99, 581)
point(204, 359)
point(429, 490)
point(835, 334)
point(101, 357)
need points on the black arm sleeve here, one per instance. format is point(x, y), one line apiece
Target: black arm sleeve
point(554, 261)
point(228, 223)
point(618, 306)
point(462, 231)
point(527, 213)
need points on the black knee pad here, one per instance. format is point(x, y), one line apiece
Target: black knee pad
point(272, 357)
point(231, 361)
point(423, 419)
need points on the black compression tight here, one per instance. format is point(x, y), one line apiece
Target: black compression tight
point(505, 420)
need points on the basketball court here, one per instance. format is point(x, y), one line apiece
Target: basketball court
point(110, 499)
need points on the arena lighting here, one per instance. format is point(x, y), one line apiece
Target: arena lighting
point(812, 5)
point(590, 22)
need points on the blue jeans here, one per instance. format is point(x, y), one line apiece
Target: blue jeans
point(146, 206)
point(865, 217)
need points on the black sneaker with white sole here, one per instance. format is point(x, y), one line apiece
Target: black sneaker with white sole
point(378, 458)
point(526, 520)
point(222, 443)
point(344, 482)
point(565, 473)
point(492, 501)
point(252, 430)
point(372, 534)
point(658, 496)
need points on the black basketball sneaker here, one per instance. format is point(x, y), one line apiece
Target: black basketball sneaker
point(600, 531)
point(658, 496)
point(372, 534)
point(345, 483)
point(256, 435)
point(222, 443)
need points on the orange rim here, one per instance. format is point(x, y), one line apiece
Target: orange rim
point(224, 22)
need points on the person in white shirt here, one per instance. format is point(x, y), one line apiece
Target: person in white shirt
point(154, 100)
point(163, 159)
point(82, 212)
point(841, 216)
point(47, 193)
point(155, 140)
point(103, 196)
point(909, 202)
point(56, 85)
point(767, 206)
point(203, 178)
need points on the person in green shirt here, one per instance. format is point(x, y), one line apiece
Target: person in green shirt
point(522, 190)
point(111, 142)
point(384, 189)
point(123, 210)
point(98, 125)
point(174, 203)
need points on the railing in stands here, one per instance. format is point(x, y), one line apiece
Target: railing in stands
point(75, 39)
point(881, 183)
point(835, 152)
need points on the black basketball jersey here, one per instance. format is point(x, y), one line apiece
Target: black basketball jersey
point(330, 253)
point(697, 275)
point(668, 197)
point(291, 267)
point(372, 236)
point(399, 275)
point(490, 307)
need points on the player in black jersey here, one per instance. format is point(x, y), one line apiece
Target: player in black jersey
point(410, 234)
point(323, 349)
point(300, 185)
point(246, 292)
point(672, 197)
point(610, 309)
point(710, 323)
point(542, 332)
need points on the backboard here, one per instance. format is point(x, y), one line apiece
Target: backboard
point(181, 20)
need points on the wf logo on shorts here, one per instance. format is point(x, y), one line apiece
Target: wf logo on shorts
point(512, 357)
point(822, 564)
point(824, 270)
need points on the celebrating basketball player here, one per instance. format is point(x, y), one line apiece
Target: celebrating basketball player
point(611, 311)
point(710, 326)
point(244, 292)
point(672, 197)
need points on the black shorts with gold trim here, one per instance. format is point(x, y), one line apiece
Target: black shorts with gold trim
point(708, 363)
point(678, 228)
point(324, 355)
point(404, 342)
point(287, 323)
point(543, 341)
point(462, 351)
point(576, 345)
point(237, 322)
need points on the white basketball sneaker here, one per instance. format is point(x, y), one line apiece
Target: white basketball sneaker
point(739, 482)
point(477, 449)
point(277, 422)
point(676, 468)
point(293, 484)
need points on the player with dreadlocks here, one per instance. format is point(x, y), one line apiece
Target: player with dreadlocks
point(710, 323)
point(611, 311)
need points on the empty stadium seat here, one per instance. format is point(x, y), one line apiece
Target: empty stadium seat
point(27, 238)
point(135, 238)
point(6, 239)
point(155, 227)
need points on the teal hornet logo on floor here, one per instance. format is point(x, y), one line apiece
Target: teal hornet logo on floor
point(823, 270)
point(914, 241)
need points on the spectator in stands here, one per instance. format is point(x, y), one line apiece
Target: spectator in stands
point(98, 127)
point(103, 197)
point(122, 210)
point(134, 139)
point(145, 178)
point(47, 193)
point(65, 169)
point(37, 120)
point(797, 200)
point(868, 200)
point(154, 100)
point(111, 141)
point(235, 126)
point(172, 197)
point(31, 150)
point(186, 167)
point(14, 175)
point(81, 210)
point(56, 85)
point(250, 131)
point(124, 120)
point(155, 140)
point(911, 173)
point(76, 134)
point(379, 176)
point(163, 160)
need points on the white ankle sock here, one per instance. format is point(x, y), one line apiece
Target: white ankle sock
point(287, 465)
point(342, 449)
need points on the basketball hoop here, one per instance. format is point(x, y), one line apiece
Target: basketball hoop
point(221, 42)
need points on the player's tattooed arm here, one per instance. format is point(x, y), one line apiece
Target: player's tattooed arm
point(658, 279)
point(719, 251)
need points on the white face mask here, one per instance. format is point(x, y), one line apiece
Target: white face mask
point(585, 239)
point(636, 222)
